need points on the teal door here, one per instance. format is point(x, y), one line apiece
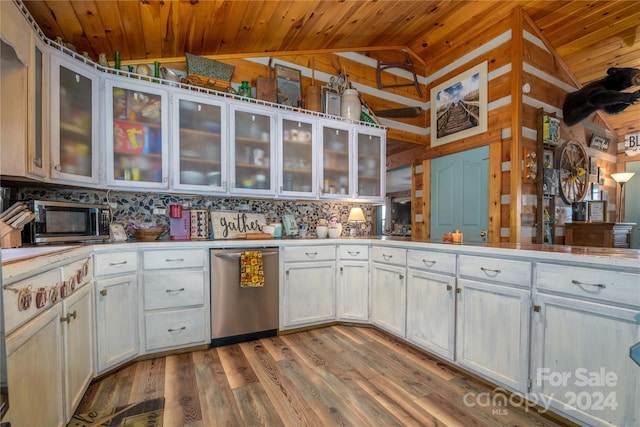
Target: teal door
point(460, 194)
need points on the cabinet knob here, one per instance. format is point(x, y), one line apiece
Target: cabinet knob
point(536, 308)
point(58, 168)
point(341, 269)
point(449, 287)
point(103, 292)
point(458, 290)
point(68, 317)
point(401, 276)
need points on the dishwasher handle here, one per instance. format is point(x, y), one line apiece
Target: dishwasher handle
point(237, 254)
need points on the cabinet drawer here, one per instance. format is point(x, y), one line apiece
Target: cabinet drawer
point(105, 264)
point(310, 253)
point(431, 261)
point(190, 258)
point(173, 290)
point(13, 316)
point(358, 252)
point(175, 328)
point(602, 285)
point(509, 272)
point(395, 256)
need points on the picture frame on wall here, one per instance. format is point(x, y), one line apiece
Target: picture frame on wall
point(459, 106)
point(599, 143)
point(597, 211)
point(547, 159)
point(288, 85)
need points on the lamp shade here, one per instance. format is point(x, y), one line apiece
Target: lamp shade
point(622, 176)
point(356, 215)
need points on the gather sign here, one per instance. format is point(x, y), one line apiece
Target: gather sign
point(231, 225)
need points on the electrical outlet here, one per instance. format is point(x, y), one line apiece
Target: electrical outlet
point(159, 211)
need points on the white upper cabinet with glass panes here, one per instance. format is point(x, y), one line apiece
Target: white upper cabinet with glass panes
point(136, 134)
point(199, 144)
point(74, 121)
point(370, 177)
point(252, 149)
point(336, 161)
point(297, 161)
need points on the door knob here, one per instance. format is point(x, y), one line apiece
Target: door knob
point(483, 234)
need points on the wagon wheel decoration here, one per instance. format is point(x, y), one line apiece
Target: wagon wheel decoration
point(573, 163)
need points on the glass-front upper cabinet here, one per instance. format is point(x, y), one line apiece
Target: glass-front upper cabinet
point(199, 154)
point(74, 126)
point(371, 165)
point(252, 150)
point(136, 134)
point(297, 158)
point(335, 181)
point(38, 156)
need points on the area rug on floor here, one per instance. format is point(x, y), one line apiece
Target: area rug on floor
point(141, 414)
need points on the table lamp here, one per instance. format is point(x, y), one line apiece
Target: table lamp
point(621, 178)
point(355, 215)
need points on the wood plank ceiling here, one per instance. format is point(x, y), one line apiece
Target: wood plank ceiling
point(590, 36)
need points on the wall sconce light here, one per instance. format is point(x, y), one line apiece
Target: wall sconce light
point(356, 215)
point(621, 178)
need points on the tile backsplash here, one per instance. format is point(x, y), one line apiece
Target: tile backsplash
point(138, 208)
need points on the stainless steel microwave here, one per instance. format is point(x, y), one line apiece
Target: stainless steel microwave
point(69, 222)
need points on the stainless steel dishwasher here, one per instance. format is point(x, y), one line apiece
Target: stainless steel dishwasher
point(243, 314)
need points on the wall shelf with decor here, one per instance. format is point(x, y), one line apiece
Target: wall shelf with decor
point(547, 177)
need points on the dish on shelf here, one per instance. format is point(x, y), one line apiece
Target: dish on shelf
point(192, 177)
point(189, 153)
point(214, 178)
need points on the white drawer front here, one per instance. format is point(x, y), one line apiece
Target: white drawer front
point(13, 316)
point(191, 258)
point(106, 264)
point(175, 328)
point(395, 256)
point(431, 261)
point(604, 285)
point(356, 252)
point(309, 253)
point(510, 272)
point(172, 290)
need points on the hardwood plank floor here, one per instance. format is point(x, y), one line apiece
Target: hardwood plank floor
point(333, 376)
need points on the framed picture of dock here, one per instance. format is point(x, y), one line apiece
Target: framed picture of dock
point(459, 106)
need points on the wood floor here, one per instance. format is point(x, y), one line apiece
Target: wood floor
point(334, 376)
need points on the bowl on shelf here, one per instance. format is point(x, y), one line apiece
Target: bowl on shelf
point(192, 177)
point(147, 234)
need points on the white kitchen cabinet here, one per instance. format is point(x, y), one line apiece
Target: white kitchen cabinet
point(371, 166)
point(199, 144)
point(74, 121)
point(308, 286)
point(77, 331)
point(252, 150)
point(388, 289)
point(297, 156)
point(493, 318)
point(24, 68)
point(352, 283)
point(336, 162)
point(136, 137)
point(584, 322)
point(35, 371)
point(116, 295)
point(175, 289)
point(431, 302)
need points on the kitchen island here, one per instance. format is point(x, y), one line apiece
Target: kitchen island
point(500, 311)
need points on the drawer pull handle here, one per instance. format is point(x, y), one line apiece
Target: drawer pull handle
point(311, 254)
point(112, 264)
point(354, 253)
point(489, 270)
point(429, 262)
point(598, 285)
point(177, 330)
point(174, 259)
point(387, 257)
point(170, 291)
